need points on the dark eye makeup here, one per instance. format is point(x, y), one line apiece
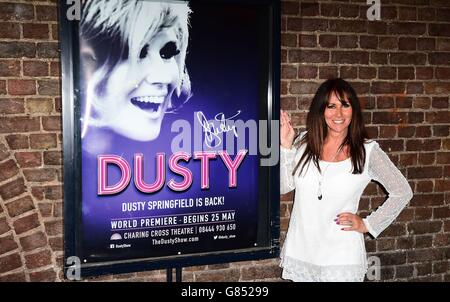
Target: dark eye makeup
point(169, 50)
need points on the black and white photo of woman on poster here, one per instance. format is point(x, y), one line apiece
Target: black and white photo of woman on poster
point(145, 65)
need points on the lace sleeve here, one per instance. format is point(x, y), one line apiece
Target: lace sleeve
point(287, 165)
point(382, 170)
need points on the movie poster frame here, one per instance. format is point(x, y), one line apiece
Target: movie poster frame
point(71, 115)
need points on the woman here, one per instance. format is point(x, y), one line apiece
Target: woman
point(133, 62)
point(330, 165)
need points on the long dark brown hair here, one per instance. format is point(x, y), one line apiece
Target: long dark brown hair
point(317, 129)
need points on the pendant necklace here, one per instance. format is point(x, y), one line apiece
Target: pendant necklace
point(322, 174)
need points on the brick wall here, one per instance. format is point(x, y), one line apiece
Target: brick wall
point(400, 66)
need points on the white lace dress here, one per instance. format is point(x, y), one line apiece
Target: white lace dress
point(316, 249)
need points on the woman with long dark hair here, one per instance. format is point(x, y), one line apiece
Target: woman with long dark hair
point(329, 165)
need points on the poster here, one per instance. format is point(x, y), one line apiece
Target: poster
point(170, 98)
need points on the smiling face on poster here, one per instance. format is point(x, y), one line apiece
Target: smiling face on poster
point(133, 57)
point(170, 96)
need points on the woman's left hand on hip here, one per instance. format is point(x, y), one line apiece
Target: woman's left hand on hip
point(351, 222)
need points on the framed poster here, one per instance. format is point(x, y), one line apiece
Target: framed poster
point(170, 131)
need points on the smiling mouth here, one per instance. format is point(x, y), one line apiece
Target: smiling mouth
point(149, 104)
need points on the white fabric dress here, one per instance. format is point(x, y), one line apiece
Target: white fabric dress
point(315, 248)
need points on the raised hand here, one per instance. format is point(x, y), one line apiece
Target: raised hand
point(287, 132)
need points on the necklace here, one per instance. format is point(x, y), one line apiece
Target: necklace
point(322, 174)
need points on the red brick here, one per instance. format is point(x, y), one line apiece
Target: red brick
point(9, 68)
point(309, 9)
point(229, 275)
point(389, 117)
point(424, 73)
point(39, 175)
point(11, 106)
point(407, 28)
point(12, 189)
point(45, 209)
point(303, 88)
point(440, 30)
point(17, 141)
point(16, 277)
point(20, 206)
point(4, 152)
point(308, 56)
point(7, 244)
point(438, 117)
point(10, 262)
point(39, 259)
point(424, 227)
point(49, 87)
point(406, 58)
point(306, 24)
point(46, 13)
point(56, 243)
point(4, 227)
point(26, 223)
point(440, 102)
point(28, 159)
point(328, 41)
point(22, 87)
point(19, 124)
point(307, 41)
point(387, 87)
point(290, 8)
point(367, 72)
point(414, 88)
point(327, 72)
point(378, 58)
point(16, 11)
point(443, 158)
point(43, 141)
point(349, 41)
point(55, 69)
point(261, 272)
point(351, 26)
point(289, 40)
point(424, 255)
point(35, 68)
point(8, 169)
point(43, 276)
point(389, 13)
point(307, 72)
point(423, 131)
point(350, 57)
point(46, 50)
point(426, 14)
point(35, 31)
point(348, 72)
point(406, 73)
point(442, 212)
point(388, 43)
point(288, 72)
point(329, 10)
point(423, 200)
point(388, 131)
point(368, 42)
point(442, 185)
point(53, 228)
point(424, 187)
point(33, 241)
point(423, 241)
point(422, 102)
point(9, 30)
point(17, 49)
point(439, 58)
point(51, 123)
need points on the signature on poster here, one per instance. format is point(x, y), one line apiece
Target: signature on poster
point(214, 131)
